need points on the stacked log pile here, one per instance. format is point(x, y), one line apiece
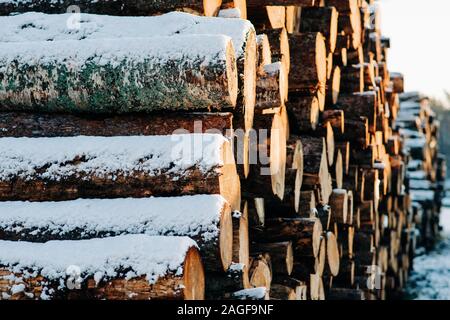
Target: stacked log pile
point(280, 145)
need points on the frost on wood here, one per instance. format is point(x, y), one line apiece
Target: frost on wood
point(128, 256)
point(194, 216)
point(182, 72)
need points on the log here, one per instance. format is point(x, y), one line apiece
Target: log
point(218, 285)
point(240, 237)
point(344, 148)
point(279, 47)
point(398, 82)
point(305, 265)
point(91, 167)
point(339, 205)
point(346, 276)
point(281, 255)
point(267, 17)
point(293, 15)
point(316, 290)
point(119, 7)
point(332, 254)
point(323, 20)
point(268, 156)
point(98, 269)
point(98, 218)
point(280, 292)
point(356, 131)
point(352, 218)
point(335, 118)
point(307, 206)
point(260, 272)
point(271, 87)
point(334, 86)
point(349, 19)
point(23, 124)
point(337, 170)
point(352, 79)
point(305, 233)
point(303, 113)
point(289, 206)
point(360, 105)
point(308, 63)
point(315, 167)
point(259, 3)
point(151, 63)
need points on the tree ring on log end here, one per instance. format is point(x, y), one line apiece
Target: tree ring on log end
point(194, 276)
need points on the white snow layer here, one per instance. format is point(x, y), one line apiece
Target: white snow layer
point(35, 26)
point(148, 256)
point(208, 48)
point(174, 216)
point(251, 294)
point(109, 156)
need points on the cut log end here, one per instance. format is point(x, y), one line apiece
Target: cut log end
point(250, 79)
point(194, 276)
point(211, 7)
point(332, 254)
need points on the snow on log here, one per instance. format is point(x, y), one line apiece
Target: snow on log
point(45, 169)
point(116, 7)
point(37, 26)
point(119, 75)
point(124, 267)
point(204, 218)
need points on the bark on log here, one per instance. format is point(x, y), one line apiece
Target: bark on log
point(315, 170)
point(397, 79)
point(92, 167)
point(356, 131)
point(360, 105)
point(346, 276)
point(289, 206)
point(271, 88)
point(267, 17)
point(218, 285)
point(21, 124)
point(281, 256)
point(323, 20)
point(303, 113)
point(280, 292)
point(268, 156)
point(162, 81)
point(339, 205)
point(119, 7)
point(352, 79)
point(279, 47)
point(308, 63)
point(307, 206)
point(186, 282)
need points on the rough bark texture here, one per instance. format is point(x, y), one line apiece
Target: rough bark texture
point(308, 62)
point(21, 124)
point(363, 105)
point(304, 113)
point(323, 20)
point(118, 7)
point(144, 82)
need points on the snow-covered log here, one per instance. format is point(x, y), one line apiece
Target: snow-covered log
point(37, 26)
point(204, 218)
point(116, 7)
point(125, 267)
point(119, 75)
point(46, 169)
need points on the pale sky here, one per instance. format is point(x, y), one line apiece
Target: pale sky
point(420, 42)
